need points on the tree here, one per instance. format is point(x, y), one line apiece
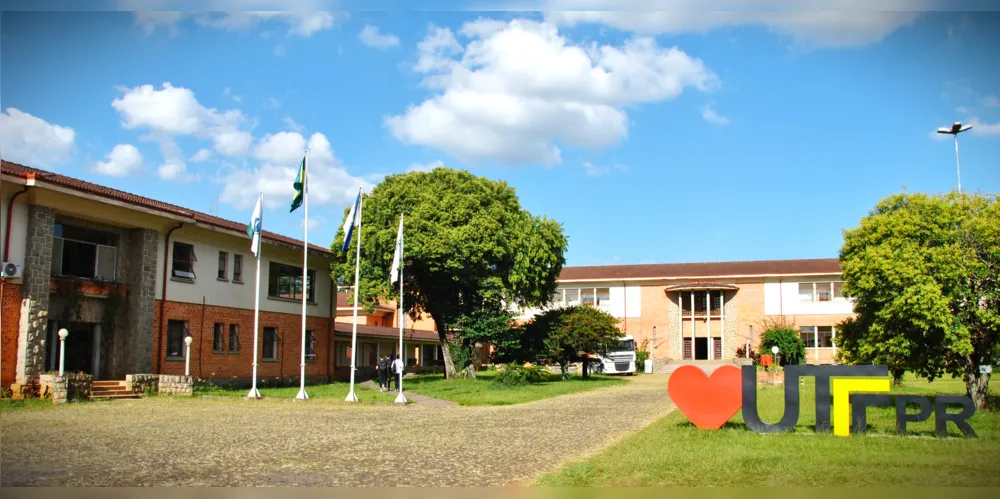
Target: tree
point(468, 245)
point(925, 274)
point(566, 335)
point(785, 336)
point(491, 324)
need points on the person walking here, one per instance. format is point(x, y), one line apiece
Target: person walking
point(397, 368)
point(380, 367)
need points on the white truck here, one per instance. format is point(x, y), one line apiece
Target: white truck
point(618, 361)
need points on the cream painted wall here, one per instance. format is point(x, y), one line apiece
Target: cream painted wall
point(19, 227)
point(783, 298)
point(207, 245)
point(622, 300)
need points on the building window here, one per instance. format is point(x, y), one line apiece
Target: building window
point(285, 281)
point(824, 336)
point(183, 261)
point(572, 297)
point(603, 298)
point(223, 265)
point(310, 345)
point(237, 268)
point(234, 338)
point(808, 335)
point(218, 342)
point(824, 291)
point(838, 292)
point(270, 346)
point(587, 297)
point(557, 298)
point(806, 291)
point(176, 332)
point(821, 291)
point(86, 253)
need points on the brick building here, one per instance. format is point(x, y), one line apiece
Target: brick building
point(129, 277)
point(706, 311)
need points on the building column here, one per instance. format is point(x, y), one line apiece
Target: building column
point(722, 313)
point(680, 324)
point(708, 325)
point(35, 293)
point(140, 278)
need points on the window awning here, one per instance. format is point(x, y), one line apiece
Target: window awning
point(701, 286)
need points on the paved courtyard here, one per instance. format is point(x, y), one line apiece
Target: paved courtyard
point(216, 442)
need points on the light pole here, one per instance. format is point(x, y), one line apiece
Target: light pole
point(187, 355)
point(63, 333)
point(956, 129)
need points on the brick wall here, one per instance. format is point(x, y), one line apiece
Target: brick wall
point(10, 301)
point(207, 364)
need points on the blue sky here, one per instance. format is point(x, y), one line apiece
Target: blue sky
point(651, 138)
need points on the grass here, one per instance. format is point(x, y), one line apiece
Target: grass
point(330, 391)
point(480, 391)
point(672, 452)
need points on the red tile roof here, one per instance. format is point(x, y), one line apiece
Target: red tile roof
point(385, 332)
point(99, 190)
point(705, 269)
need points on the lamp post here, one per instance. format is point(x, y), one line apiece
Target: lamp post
point(187, 355)
point(63, 333)
point(653, 349)
point(774, 350)
point(956, 129)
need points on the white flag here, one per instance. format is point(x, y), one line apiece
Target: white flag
point(253, 230)
point(351, 221)
point(397, 256)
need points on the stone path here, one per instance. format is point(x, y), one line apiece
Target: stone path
point(416, 398)
point(167, 441)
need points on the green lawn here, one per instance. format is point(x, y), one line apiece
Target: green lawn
point(672, 452)
point(480, 391)
point(334, 391)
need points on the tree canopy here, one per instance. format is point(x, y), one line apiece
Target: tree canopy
point(570, 334)
point(925, 274)
point(469, 245)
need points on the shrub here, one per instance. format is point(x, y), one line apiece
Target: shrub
point(741, 352)
point(785, 336)
point(514, 376)
point(641, 354)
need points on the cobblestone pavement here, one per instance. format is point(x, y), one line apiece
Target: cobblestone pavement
point(163, 441)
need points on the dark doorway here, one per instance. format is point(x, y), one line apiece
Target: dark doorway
point(701, 349)
point(79, 348)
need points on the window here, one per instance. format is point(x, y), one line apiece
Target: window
point(285, 281)
point(838, 292)
point(270, 346)
point(825, 336)
point(572, 297)
point(427, 355)
point(587, 297)
point(310, 345)
point(603, 298)
point(86, 253)
point(808, 335)
point(824, 291)
point(234, 338)
point(806, 291)
point(176, 332)
point(218, 343)
point(183, 261)
point(223, 265)
point(557, 298)
point(237, 268)
point(716, 308)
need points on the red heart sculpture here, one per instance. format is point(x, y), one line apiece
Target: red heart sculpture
point(708, 402)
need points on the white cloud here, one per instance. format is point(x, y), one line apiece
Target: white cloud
point(594, 170)
point(961, 109)
point(272, 103)
point(425, 167)
point(520, 88)
point(123, 160)
point(293, 125)
point(841, 23)
point(711, 116)
point(171, 111)
point(371, 37)
point(176, 172)
point(991, 101)
point(980, 127)
point(299, 23)
point(33, 141)
point(313, 222)
point(228, 93)
point(280, 155)
point(201, 156)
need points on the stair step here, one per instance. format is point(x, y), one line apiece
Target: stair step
point(126, 395)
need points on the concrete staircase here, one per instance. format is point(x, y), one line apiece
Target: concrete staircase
point(112, 390)
point(667, 366)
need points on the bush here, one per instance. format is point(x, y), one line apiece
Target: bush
point(741, 352)
point(641, 354)
point(515, 375)
point(785, 336)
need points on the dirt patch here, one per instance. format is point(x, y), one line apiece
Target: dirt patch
point(223, 442)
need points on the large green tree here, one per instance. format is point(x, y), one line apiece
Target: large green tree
point(570, 334)
point(468, 246)
point(925, 274)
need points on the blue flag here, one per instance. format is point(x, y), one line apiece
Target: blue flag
point(352, 221)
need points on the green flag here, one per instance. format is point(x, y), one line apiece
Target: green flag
point(299, 186)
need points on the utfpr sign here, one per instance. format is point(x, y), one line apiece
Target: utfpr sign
point(710, 401)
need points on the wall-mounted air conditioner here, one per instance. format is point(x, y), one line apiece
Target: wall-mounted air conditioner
point(11, 270)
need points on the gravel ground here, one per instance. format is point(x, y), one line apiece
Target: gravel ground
point(165, 441)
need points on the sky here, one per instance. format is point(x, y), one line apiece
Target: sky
point(652, 137)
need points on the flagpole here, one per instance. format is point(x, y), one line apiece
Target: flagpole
point(400, 399)
point(254, 394)
point(302, 395)
point(351, 396)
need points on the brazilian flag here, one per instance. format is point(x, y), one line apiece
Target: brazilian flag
point(299, 186)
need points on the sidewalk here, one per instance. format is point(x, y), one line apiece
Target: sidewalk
point(416, 398)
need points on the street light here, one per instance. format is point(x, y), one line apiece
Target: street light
point(956, 129)
point(63, 333)
point(187, 355)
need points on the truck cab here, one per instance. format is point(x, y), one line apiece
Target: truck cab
point(618, 361)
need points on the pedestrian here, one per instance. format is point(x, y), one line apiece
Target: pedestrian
point(397, 368)
point(380, 368)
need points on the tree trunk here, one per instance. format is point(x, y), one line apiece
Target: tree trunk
point(584, 368)
point(473, 367)
point(564, 368)
point(449, 364)
point(977, 387)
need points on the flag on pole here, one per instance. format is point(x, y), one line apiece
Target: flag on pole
point(299, 185)
point(397, 256)
point(351, 222)
point(253, 230)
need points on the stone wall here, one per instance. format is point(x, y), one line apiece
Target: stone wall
point(176, 385)
point(62, 389)
point(140, 277)
point(143, 383)
point(35, 293)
